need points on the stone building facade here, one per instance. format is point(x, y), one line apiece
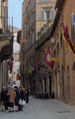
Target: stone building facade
point(43, 80)
point(64, 70)
point(6, 39)
point(16, 63)
point(35, 14)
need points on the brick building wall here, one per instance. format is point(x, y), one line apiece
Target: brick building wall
point(44, 68)
point(31, 23)
point(41, 7)
point(64, 71)
point(5, 43)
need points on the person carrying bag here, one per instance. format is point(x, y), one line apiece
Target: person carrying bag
point(22, 102)
point(22, 99)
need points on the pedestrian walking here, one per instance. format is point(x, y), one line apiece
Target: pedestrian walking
point(3, 98)
point(12, 95)
point(27, 95)
point(7, 98)
point(17, 98)
point(22, 99)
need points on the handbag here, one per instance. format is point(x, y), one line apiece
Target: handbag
point(21, 102)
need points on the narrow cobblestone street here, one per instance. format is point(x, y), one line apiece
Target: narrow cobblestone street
point(42, 109)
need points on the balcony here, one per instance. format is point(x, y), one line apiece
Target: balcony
point(6, 25)
point(6, 37)
point(42, 38)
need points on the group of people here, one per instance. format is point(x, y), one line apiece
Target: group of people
point(14, 96)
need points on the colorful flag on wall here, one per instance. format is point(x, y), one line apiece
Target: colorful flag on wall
point(48, 56)
point(66, 38)
point(10, 63)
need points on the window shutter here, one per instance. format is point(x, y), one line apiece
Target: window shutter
point(42, 15)
point(52, 14)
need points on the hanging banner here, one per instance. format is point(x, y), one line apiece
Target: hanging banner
point(66, 38)
point(10, 63)
point(48, 59)
point(54, 59)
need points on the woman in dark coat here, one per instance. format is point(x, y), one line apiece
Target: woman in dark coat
point(27, 96)
point(17, 98)
point(22, 97)
point(3, 98)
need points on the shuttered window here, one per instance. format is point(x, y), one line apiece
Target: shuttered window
point(45, 14)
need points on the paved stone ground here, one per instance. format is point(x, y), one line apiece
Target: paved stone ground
point(42, 109)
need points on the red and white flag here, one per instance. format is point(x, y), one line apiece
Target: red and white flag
point(47, 57)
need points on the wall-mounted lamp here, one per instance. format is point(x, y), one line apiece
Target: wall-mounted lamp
point(52, 40)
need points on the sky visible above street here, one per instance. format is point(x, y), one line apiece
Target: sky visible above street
point(15, 11)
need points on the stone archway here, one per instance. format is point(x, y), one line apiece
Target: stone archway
point(73, 83)
point(68, 84)
point(63, 83)
point(73, 71)
point(73, 67)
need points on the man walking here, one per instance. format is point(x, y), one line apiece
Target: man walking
point(12, 95)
